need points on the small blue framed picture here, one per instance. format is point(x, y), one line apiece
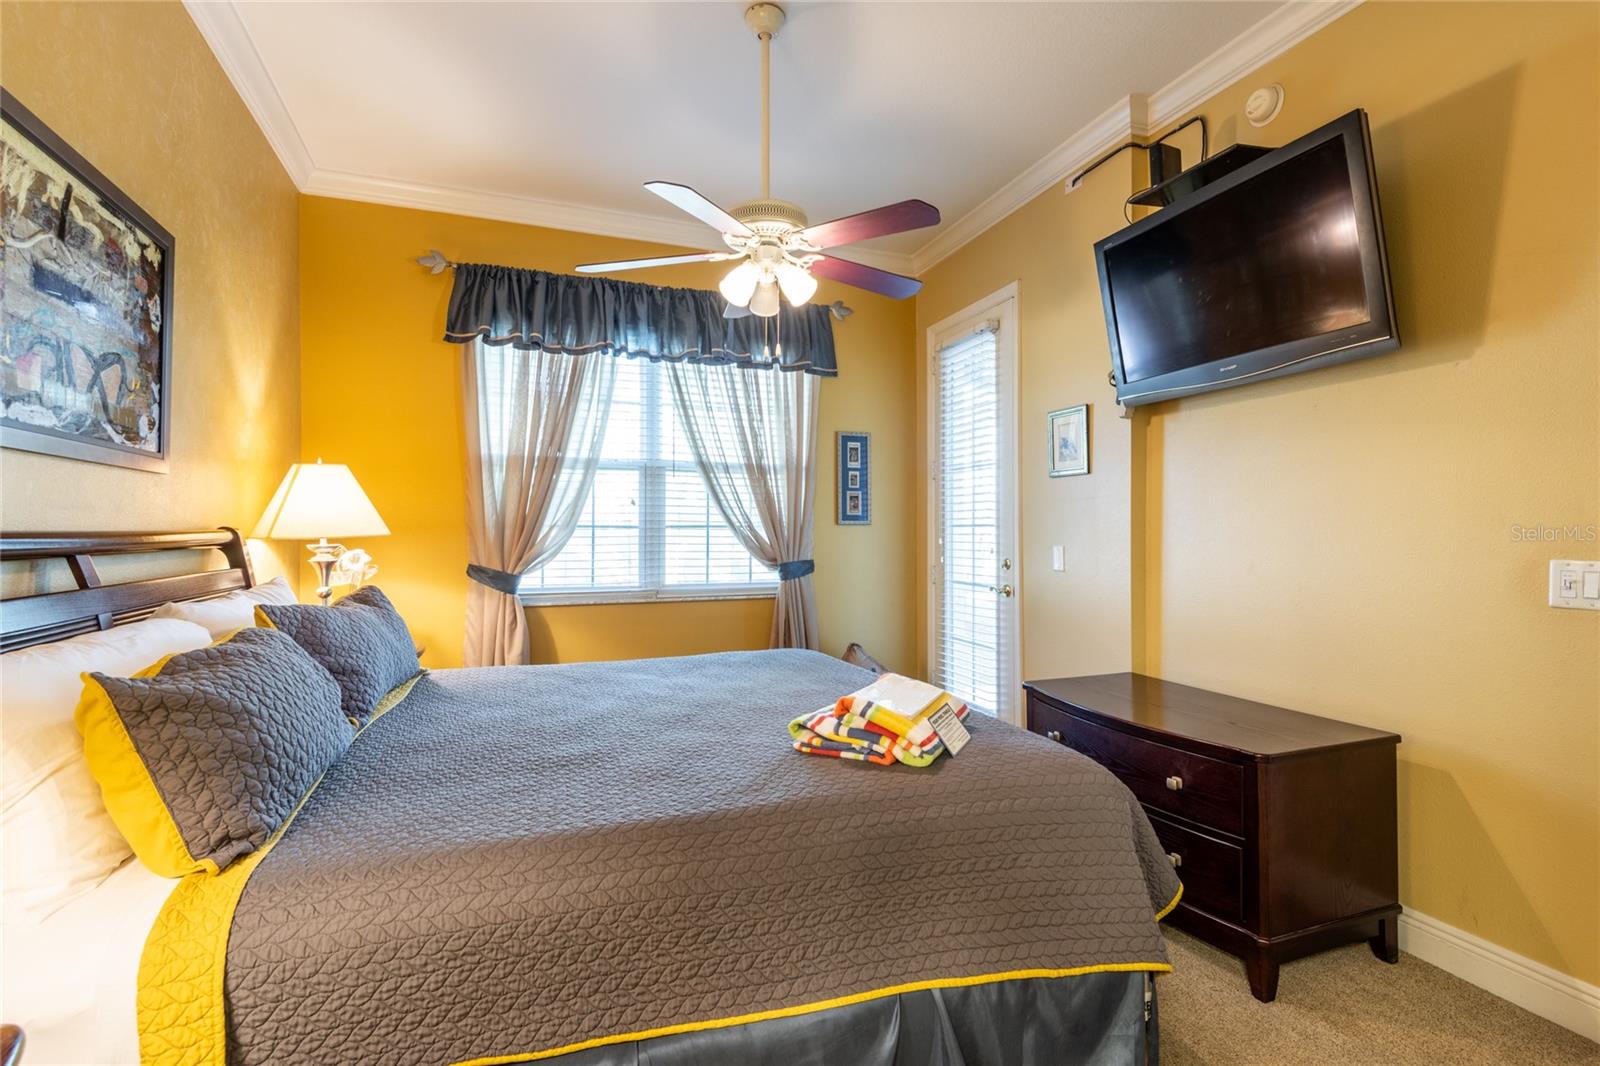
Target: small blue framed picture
point(854, 481)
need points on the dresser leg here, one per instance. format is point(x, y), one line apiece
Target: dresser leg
point(1262, 970)
point(1386, 944)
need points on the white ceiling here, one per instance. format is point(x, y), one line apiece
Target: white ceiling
point(576, 104)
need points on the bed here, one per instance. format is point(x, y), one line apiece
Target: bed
point(618, 863)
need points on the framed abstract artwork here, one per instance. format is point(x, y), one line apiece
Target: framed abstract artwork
point(1069, 441)
point(86, 319)
point(854, 468)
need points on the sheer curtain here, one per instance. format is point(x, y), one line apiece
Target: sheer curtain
point(753, 434)
point(535, 421)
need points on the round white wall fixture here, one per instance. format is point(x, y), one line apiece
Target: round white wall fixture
point(1264, 104)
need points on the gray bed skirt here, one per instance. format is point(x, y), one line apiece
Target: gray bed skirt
point(1096, 1019)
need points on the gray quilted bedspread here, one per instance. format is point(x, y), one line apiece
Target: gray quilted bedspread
point(515, 860)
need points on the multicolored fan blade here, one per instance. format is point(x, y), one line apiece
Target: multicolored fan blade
point(879, 222)
point(897, 286)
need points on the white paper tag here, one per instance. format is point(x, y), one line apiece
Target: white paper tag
point(950, 730)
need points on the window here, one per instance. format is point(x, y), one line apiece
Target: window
point(649, 529)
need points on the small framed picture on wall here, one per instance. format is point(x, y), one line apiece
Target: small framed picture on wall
point(854, 482)
point(1069, 441)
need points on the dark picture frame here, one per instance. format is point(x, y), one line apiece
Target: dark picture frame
point(85, 351)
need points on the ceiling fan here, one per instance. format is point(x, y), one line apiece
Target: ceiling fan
point(778, 251)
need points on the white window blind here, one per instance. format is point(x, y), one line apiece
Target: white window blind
point(968, 644)
point(649, 529)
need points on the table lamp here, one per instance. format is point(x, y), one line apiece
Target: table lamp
point(320, 500)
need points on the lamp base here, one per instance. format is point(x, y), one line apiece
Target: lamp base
point(323, 556)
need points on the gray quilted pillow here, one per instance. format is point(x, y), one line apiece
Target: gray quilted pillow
point(361, 640)
point(232, 736)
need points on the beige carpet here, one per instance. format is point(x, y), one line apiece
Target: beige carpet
point(1346, 1007)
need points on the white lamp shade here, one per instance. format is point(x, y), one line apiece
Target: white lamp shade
point(319, 500)
point(740, 283)
point(765, 300)
point(797, 284)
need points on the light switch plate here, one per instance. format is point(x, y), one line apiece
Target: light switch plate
point(1575, 584)
point(1058, 556)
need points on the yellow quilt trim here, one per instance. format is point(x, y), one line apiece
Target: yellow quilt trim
point(1164, 911)
point(840, 1001)
point(392, 698)
point(182, 1013)
point(181, 1020)
point(821, 1004)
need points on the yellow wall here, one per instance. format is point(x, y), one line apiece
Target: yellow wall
point(1074, 621)
point(383, 394)
point(645, 630)
point(161, 120)
point(1344, 541)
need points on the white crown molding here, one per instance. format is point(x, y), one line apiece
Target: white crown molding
point(1117, 123)
point(1261, 43)
point(1137, 116)
point(1133, 116)
point(507, 207)
point(531, 211)
point(1533, 986)
point(219, 23)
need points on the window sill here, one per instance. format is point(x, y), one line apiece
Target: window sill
point(684, 595)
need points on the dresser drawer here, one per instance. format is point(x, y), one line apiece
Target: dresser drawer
point(1212, 871)
point(1207, 791)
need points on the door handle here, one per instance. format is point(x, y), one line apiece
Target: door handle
point(1004, 590)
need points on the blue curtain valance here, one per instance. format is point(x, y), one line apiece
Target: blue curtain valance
point(533, 309)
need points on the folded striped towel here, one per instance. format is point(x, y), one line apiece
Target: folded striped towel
point(883, 723)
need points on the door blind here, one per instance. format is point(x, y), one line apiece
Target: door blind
point(970, 634)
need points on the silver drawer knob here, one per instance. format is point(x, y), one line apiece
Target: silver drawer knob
point(1175, 783)
point(1175, 858)
point(1055, 735)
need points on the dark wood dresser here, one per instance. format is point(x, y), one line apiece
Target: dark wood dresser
point(1281, 824)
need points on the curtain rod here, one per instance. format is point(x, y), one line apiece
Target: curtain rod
point(436, 263)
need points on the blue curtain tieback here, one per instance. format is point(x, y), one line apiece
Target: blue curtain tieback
point(499, 580)
point(795, 570)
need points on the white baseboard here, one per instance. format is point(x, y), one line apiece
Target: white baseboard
point(1533, 986)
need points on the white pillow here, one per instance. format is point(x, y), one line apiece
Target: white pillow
point(225, 614)
point(57, 840)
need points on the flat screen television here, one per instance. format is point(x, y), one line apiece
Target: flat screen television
point(1275, 268)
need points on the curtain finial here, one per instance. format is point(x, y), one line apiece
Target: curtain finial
point(434, 261)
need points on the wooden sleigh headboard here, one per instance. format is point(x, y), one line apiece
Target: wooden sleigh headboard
point(47, 616)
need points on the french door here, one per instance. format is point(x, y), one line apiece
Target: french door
point(975, 581)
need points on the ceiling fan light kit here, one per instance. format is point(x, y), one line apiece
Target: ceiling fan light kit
point(781, 253)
